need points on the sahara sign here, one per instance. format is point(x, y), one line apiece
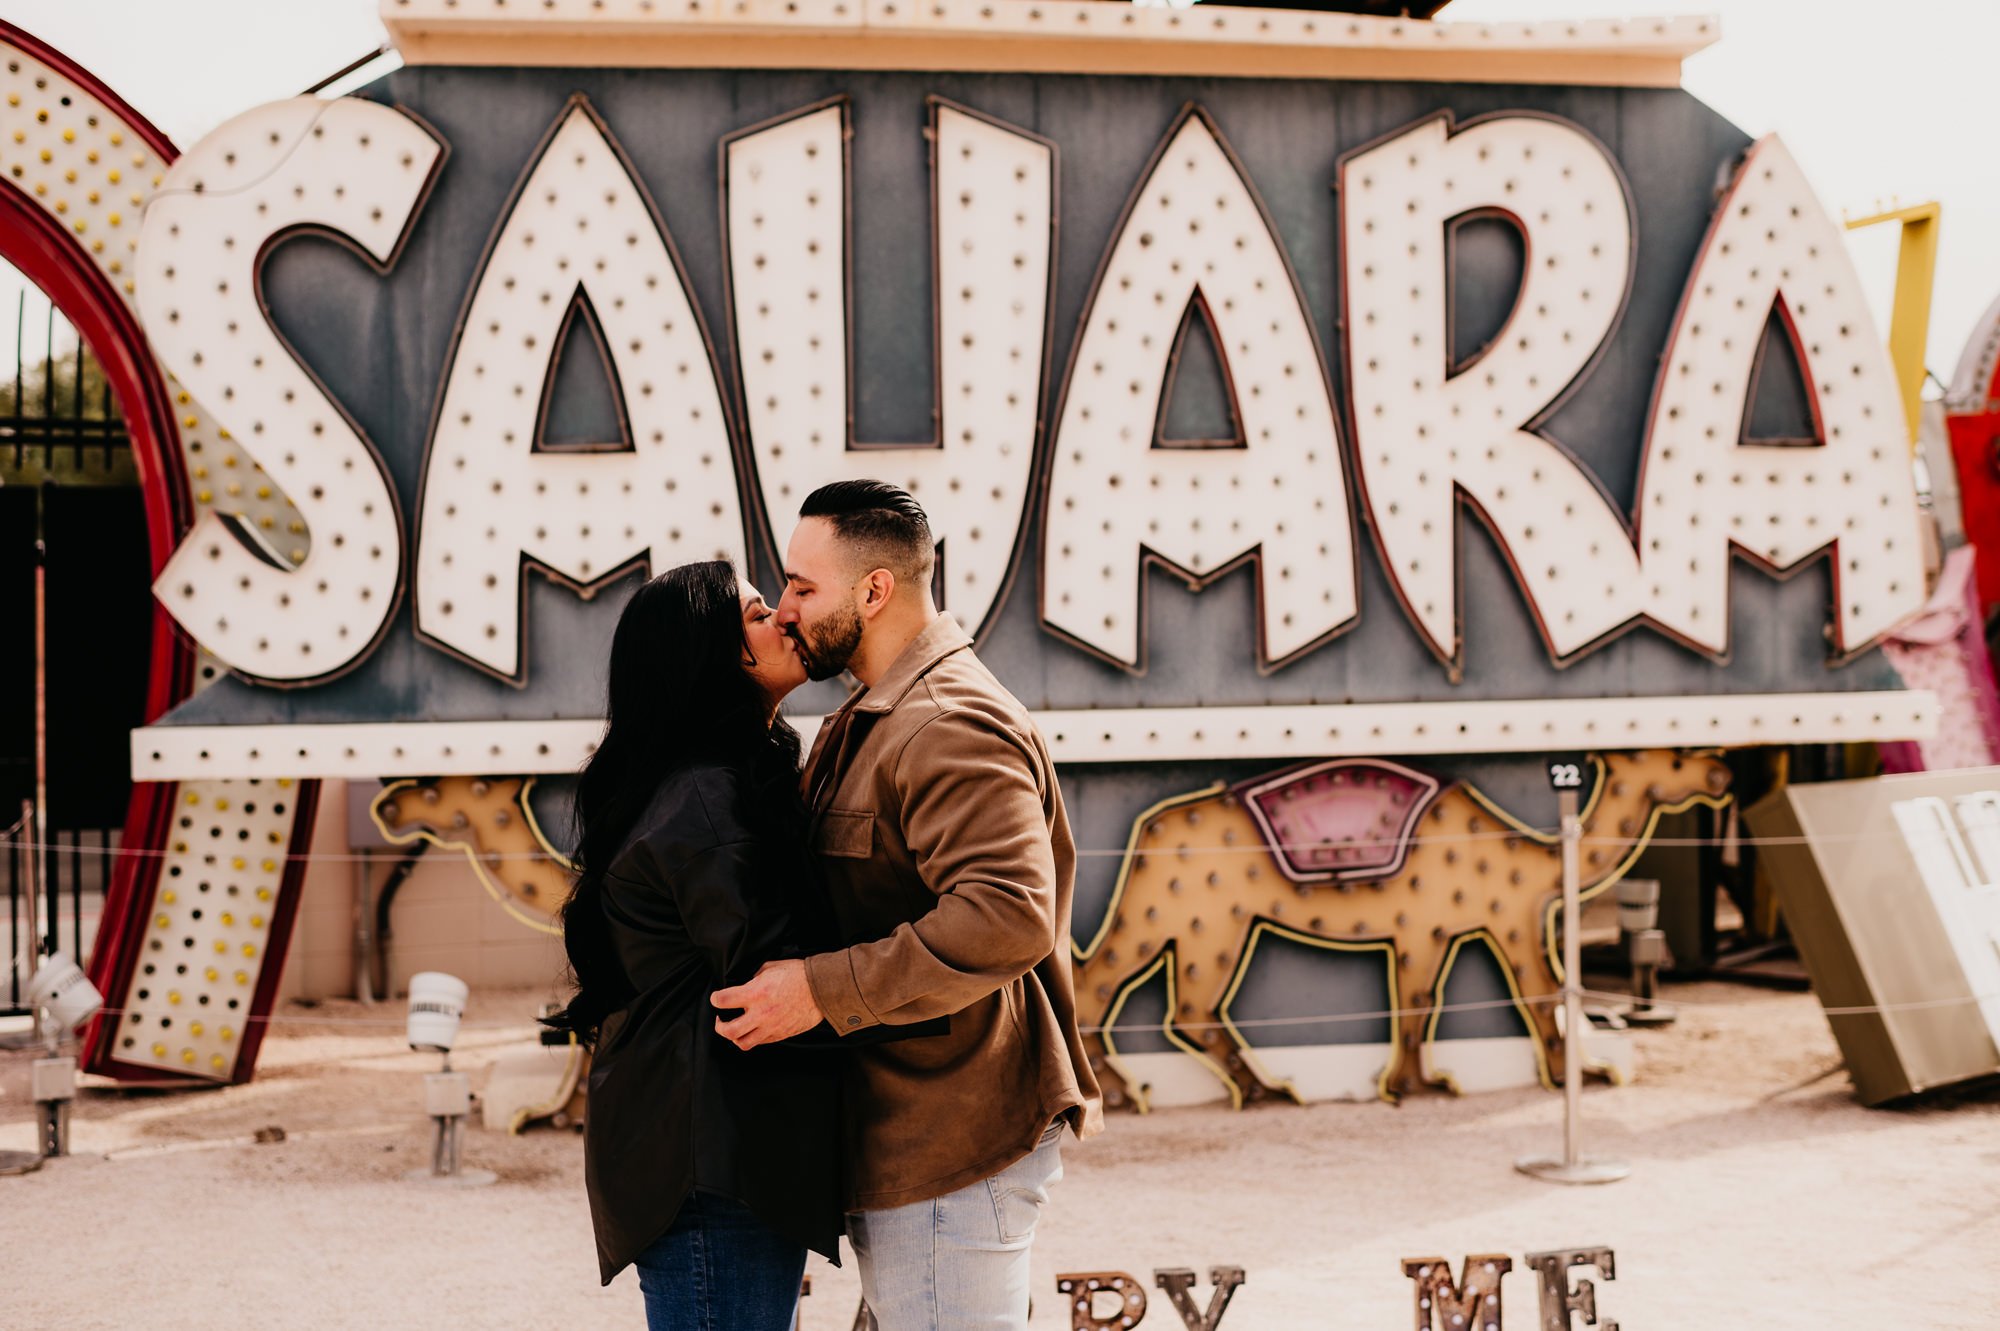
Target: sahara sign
point(1169, 331)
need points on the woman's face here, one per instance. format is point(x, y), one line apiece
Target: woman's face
point(774, 660)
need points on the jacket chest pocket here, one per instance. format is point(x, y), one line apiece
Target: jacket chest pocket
point(846, 833)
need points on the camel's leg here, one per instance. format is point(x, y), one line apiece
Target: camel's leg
point(1525, 944)
point(1117, 1095)
point(1416, 997)
point(1540, 1000)
point(1201, 990)
point(1095, 990)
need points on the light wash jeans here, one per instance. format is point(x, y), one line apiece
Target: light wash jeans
point(958, 1262)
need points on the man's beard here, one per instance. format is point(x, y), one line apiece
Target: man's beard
point(828, 647)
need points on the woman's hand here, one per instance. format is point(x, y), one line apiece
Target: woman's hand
point(777, 1004)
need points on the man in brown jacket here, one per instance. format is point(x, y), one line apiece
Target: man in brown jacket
point(941, 833)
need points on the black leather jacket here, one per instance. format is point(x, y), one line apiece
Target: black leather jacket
point(700, 897)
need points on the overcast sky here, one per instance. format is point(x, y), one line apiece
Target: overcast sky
point(1877, 102)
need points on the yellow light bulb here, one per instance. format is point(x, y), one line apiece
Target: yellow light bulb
point(211, 975)
point(174, 997)
point(226, 1034)
point(236, 863)
point(228, 918)
point(249, 949)
point(159, 1051)
point(161, 921)
point(169, 897)
point(221, 946)
point(187, 1057)
point(195, 1030)
point(263, 894)
point(218, 1062)
point(242, 977)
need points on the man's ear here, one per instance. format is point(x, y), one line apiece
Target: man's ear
point(877, 589)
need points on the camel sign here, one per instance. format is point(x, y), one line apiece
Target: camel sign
point(1265, 418)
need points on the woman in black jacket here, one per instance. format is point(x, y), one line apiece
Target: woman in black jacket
point(711, 1169)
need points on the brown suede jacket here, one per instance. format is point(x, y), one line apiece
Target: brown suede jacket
point(941, 834)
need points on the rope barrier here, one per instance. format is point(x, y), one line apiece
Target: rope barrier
point(1248, 1023)
point(1539, 836)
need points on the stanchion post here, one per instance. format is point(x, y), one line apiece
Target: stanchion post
point(1573, 1018)
point(1567, 778)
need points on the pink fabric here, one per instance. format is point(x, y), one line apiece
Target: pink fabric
point(1943, 649)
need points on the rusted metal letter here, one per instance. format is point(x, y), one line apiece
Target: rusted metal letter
point(1082, 1290)
point(1179, 1280)
point(1472, 1303)
point(1552, 1277)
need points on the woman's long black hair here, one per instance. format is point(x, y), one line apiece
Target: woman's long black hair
point(678, 694)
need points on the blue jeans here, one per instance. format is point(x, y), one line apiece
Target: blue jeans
point(958, 1262)
point(719, 1268)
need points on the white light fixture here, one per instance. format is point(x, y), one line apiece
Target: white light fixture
point(437, 1005)
point(64, 993)
point(63, 998)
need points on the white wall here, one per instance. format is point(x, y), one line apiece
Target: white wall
point(443, 919)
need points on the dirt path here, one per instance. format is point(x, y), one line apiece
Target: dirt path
point(1763, 1196)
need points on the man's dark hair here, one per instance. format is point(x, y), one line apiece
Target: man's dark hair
point(881, 523)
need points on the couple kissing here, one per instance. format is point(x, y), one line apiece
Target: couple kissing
point(830, 998)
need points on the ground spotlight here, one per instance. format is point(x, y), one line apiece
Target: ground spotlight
point(437, 1005)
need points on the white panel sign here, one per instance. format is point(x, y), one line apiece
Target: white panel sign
point(993, 220)
point(1956, 847)
point(356, 170)
point(207, 939)
point(1196, 232)
point(1098, 735)
point(581, 228)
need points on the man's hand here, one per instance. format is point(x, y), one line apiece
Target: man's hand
point(777, 1004)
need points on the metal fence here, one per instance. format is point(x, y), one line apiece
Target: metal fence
point(68, 489)
point(59, 413)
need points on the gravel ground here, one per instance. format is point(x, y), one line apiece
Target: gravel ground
point(1762, 1196)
